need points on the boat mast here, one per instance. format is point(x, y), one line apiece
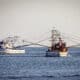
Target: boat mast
point(52, 40)
point(55, 35)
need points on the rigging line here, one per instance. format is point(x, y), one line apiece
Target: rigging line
point(71, 40)
point(37, 43)
point(41, 36)
point(71, 37)
point(45, 33)
point(31, 43)
point(75, 40)
point(75, 36)
point(67, 37)
point(78, 38)
point(39, 40)
point(42, 40)
point(75, 45)
point(20, 46)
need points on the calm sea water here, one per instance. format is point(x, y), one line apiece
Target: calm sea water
point(35, 66)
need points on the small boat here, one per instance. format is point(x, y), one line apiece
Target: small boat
point(58, 46)
point(7, 48)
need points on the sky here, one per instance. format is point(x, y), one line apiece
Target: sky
point(32, 18)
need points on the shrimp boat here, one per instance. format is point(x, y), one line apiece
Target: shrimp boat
point(7, 48)
point(58, 46)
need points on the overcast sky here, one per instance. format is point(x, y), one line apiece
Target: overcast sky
point(32, 18)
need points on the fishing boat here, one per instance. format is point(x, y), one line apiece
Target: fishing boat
point(7, 48)
point(58, 46)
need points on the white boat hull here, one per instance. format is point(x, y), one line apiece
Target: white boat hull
point(13, 51)
point(63, 54)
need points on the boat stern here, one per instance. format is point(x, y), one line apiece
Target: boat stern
point(63, 54)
